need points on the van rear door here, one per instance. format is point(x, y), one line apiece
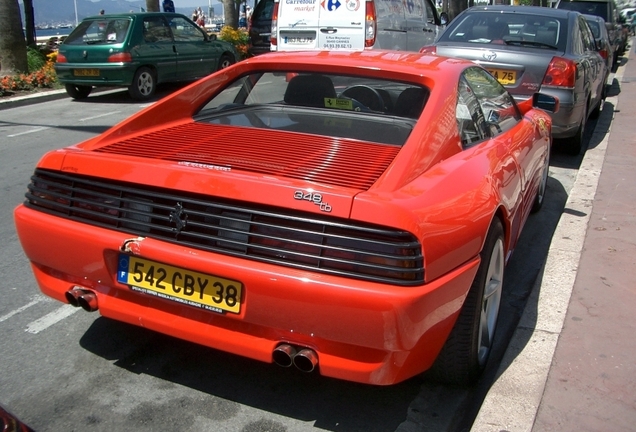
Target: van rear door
point(421, 24)
point(321, 24)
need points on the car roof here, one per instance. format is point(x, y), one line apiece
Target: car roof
point(593, 18)
point(374, 62)
point(525, 10)
point(132, 15)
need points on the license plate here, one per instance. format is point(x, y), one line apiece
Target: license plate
point(297, 38)
point(86, 72)
point(184, 286)
point(503, 76)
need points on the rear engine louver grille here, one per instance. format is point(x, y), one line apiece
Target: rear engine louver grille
point(278, 236)
point(333, 161)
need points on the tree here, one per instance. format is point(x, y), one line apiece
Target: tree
point(29, 23)
point(152, 6)
point(231, 11)
point(13, 57)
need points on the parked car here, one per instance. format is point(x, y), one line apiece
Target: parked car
point(530, 49)
point(599, 31)
point(607, 10)
point(259, 27)
point(303, 209)
point(369, 24)
point(138, 51)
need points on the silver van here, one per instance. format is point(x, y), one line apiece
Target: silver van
point(354, 24)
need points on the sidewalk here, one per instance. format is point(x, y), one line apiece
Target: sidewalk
point(571, 365)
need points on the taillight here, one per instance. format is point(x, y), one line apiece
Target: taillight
point(273, 37)
point(561, 73)
point(603, 53)
point(431, 49)
point(370, 24)
point(123, 57)
point(61, 58)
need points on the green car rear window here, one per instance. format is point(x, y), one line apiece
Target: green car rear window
point(99, 31)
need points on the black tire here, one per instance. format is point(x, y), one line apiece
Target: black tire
point(540, 197)
point(144, 84)
point(596, 111)
point(226, 60)
point(573, 146)
point(464, 355)
point(78, 91)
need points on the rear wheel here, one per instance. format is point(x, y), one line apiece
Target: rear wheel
point(464, 356)
point(596, 111)
point(573, 146)
point(226, 60)
point(144, 84)
point(78, 91)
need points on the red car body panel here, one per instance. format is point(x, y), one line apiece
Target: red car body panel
point(362, 331)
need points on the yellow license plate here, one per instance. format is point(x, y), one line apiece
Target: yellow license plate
point(503, 76)
point(86, 72)
point(184, 286)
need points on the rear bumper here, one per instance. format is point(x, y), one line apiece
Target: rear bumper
point(362, 331)
point(115, 74)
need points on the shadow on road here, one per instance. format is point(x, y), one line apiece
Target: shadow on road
point(330, 404)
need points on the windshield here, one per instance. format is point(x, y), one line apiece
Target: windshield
point(99, 31)
point(372, 110)
point(496, 28)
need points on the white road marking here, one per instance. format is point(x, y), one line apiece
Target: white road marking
point(49, 319)
point(29, 131)
point(36, 300)
point(98, 116)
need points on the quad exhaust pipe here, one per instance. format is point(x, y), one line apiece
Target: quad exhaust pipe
point(305, 359)
point(82, 297)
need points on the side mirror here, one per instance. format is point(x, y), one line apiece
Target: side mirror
point(212, 37)
point(443, 18)
point(545, 102)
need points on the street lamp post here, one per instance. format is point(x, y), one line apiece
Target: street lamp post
point(76, 22)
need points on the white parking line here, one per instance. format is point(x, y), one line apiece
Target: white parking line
point(29, 131)
point(36, 300)
point(98, 116)
point(49, 319)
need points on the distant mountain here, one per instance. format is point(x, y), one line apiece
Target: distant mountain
point(59, 12)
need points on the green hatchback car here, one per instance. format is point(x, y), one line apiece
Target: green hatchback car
point(139, 51)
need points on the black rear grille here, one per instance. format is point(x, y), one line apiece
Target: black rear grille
point(260, 233)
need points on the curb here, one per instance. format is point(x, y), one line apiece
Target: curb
point(514, 398)
point(44, 96)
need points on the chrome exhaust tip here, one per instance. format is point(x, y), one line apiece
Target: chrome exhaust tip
point(306, 360)
point(283, 355)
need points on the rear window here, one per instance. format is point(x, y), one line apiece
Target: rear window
point(99, 31)
point(595, 27)
point(586, 8)
point(372, 110)
point(496, 28)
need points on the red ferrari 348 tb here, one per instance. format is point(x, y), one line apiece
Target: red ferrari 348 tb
point(345, 212)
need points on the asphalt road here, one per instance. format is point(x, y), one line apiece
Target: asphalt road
point(63, 369)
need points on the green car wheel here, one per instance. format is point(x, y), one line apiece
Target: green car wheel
point(144, 84)
point(78, 91)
